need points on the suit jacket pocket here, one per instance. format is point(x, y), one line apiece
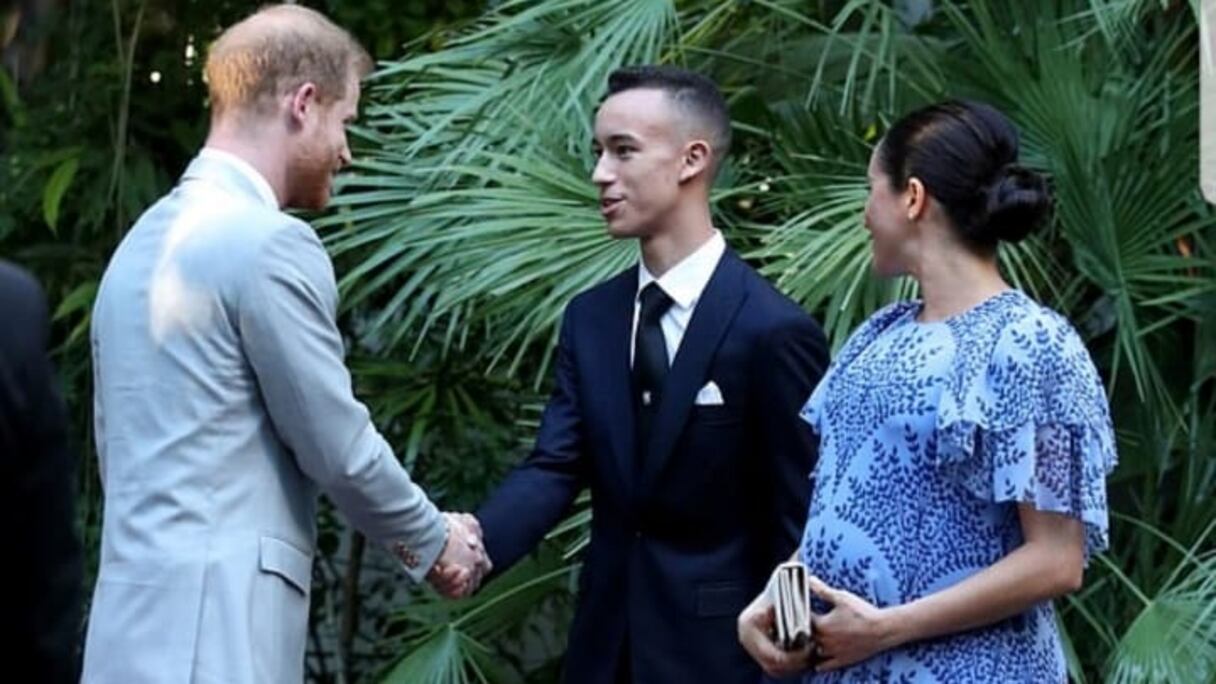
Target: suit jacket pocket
point(285, 560)
point(717, 599)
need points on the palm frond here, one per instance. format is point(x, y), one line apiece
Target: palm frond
point(1173, 639)
point(505, 248)
point(543, 62)
point(449, 640)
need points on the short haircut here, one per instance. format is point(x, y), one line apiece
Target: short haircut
point(276, 50)
point(693, 94)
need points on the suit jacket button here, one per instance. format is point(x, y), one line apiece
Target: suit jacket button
point(407, 556)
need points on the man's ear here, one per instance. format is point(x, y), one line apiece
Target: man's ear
point(916, 199)
point(697, 159)
point(303, 101)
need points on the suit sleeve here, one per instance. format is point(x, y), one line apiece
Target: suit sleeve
point(787, 370)
point(539, 492)
point(287, 320)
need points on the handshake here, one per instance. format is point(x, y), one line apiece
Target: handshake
point(463, 563)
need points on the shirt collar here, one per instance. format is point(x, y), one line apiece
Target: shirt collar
point(685, 281)
point(259, 182)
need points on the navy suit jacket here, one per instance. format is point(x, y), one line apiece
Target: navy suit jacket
point(685, 536)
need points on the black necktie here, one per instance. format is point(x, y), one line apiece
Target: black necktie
point(649, 358)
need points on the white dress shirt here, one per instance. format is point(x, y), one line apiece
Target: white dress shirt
point(265, 192)
point(684, 283)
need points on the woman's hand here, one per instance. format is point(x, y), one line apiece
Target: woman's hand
point(852, 631)
point(756, 624)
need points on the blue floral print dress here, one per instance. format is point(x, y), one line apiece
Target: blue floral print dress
point(930, 435)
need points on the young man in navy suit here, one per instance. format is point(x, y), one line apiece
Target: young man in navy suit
point(676, 398)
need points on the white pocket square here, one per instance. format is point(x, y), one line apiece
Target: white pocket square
point(709, 395)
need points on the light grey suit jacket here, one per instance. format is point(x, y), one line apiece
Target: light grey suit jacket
point(222, 405)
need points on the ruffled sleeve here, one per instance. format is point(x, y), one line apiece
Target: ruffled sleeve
point(1032, 425)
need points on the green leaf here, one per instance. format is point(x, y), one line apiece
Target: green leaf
point(11, 100)
point(56, 186)
point(78, 302)
point(79, 299)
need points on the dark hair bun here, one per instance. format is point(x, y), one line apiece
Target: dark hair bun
point(1018, 203)
point(966, 155)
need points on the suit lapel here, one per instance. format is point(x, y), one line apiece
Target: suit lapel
point(715, 310)
point(616, 379)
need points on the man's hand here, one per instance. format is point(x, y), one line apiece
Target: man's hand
point(463, 562)
point(756, 624)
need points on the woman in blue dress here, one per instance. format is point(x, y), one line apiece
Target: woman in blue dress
point(965, 437)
